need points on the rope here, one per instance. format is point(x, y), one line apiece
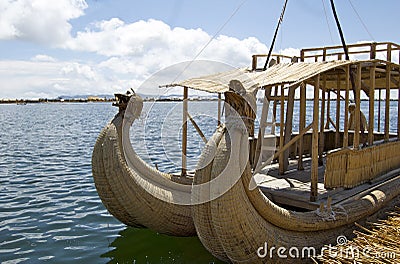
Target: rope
point(327, 22)
point(213, 37)
point(362, 22)
point(275, 34)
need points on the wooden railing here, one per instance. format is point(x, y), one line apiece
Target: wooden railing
point(262, 57)
point(373, 50)
point(370, 50)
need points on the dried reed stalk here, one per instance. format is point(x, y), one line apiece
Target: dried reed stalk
point(380, 244)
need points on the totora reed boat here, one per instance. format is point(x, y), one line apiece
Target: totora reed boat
point(297, 180)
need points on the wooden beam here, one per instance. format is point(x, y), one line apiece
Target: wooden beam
point(372, 54)
point(219, 107)
point(274, 109)
point(389, 52)
point(254, 63)
point(263, 125)
point(288, 145)
point(293, 140)
point(322, 122)
point(379, 110)
point(346, 109)
point(281, 130)
point(387, 103)
point(288, 124)
point(371, 105)
point(328, 109)
point(314, 153)
point(398, 109)
point(197, 128)
point(184, 130)
point(337, 126)
point(302, 124)
point(357, 125)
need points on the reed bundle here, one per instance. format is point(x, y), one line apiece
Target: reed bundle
point(380, 244)
point(350, 167)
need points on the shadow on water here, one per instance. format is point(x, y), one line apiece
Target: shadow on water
point(146, 246)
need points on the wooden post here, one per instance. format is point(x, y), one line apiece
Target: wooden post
point(328, 110)
point(288, 125)
point(219, 108)
point(281, 129)
point(356, 140)
point(263, 125)
point(337, 133)
point(389, 52)
point(371, 105)
point(387, 103)
point(184, 130)
point(302, 124)
point(274, 109)
point(398, 108)
point(346, 109)
point(314, 153)
point(254, 63)
point(379, 110)
point(372, 54)
point(322, 122)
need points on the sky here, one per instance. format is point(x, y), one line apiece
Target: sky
point(79, 47)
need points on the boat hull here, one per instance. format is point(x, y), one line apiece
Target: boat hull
point(125, 190)
point(242, 224)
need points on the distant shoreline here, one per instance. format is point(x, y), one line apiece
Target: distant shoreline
point(111, 100)
point(89, 100)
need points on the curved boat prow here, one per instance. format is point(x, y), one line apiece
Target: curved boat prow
point(126, 184)
point(244, 226)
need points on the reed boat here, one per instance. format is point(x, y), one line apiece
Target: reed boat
point(131, 190)
point(307, 176)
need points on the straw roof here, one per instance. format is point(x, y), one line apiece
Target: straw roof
point(288, 74)
point(284, 73)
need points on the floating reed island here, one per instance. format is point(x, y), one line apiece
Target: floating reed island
point(283, 184)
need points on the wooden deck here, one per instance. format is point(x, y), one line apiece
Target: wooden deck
point(292, 190)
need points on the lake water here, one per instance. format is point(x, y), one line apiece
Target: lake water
point(49, 207)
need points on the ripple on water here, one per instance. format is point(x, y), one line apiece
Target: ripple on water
point(49, 207)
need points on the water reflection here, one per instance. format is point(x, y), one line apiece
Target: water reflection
point(145, 246)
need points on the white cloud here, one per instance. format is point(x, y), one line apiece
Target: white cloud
point(40, 21)
point(36, 79)
point(42, 57)
point(132, 51)
point(137, 50)
point(153, 43)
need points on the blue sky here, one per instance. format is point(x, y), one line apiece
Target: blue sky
point(67, 47)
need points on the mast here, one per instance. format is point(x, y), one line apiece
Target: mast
point(275, 34)
point(346, 53)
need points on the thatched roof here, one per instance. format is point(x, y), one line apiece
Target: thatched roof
point(283, 73)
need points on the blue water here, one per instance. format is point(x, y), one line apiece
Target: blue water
point(49, 207)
